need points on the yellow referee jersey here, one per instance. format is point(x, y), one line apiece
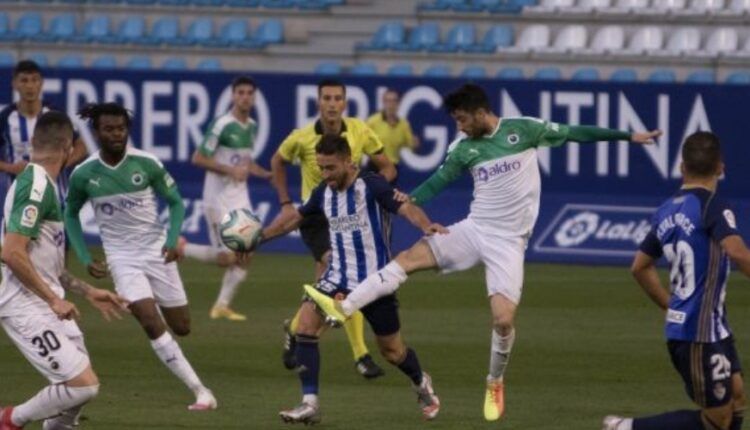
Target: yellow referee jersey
point(394, 137)
point(299, 147)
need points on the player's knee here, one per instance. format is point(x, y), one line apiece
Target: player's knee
point(719, 417)
point(503, 323)
point(181, 327)
point(393, 355)
point(153, 328)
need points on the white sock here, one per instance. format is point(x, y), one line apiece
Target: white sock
point(51, 401)
point(204, 253)
point(233, 277)
point(169, 352)
point(500, 353)
point(625, 424)
point(310, 399)
point(381, 283)
point(67, 420)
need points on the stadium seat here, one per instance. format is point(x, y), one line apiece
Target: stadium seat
point(174, 63)
point(39, 58)
point(624, 75)
point(570, 38)
point(701, 77)
point(104, 62)
point(459, 38)
point(510, 73)
point(435, 5)
point(7, 59)
point(139, 62)
point(141, 2)
point(473, 5)
point(364, 69)
point(701, 7)
point(735, 8)
point(328, 68)
point(721, 41)
point(388, 35)
point(61, 28)
point(96, 29)
point(199, 32)
point(400, 69)
point(132, 30)
point(743, 53)
point(738, 78)
point(626, 7)
point(500, 35)
point(532, 38)
point(271, 31)
point(29, 25)
point(662, 76)
point(438, 71)
point(473, 72)
point(234, 32)
point(645, 40)
point(6, 33)
point(607, 40)
point(550, 6)
point(210, 3)
point(662, 7)
point(587, 7)
point(209, 64)
point(174, 2)
point(512, 6)
point(420, 38)
point(548, 74)
point(162, 31)
point(278, 4)
point(683, 41)
point(70, 61)
point(585, 74)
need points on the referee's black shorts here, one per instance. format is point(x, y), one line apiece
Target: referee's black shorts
point(314, 231)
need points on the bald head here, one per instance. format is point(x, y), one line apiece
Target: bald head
point(53, 132)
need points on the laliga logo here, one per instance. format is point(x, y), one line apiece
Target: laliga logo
point(576, 230)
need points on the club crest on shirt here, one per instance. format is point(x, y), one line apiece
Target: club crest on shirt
point(137, 178)
point(513, 139)
point(729, 216)
point(29, 216)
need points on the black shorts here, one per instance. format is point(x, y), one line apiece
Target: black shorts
point(314, 232)
point(382, 314)
point(706, 369)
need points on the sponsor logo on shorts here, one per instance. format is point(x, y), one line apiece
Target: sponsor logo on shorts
point(598, 230)
point(485, 174)
point(29, 216)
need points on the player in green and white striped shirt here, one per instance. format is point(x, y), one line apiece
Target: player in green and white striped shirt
point(122, 184)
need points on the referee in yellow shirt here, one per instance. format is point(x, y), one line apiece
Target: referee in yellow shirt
point(394, 132)
point(299, 147)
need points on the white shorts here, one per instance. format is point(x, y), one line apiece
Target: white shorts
point(149, 279)
point(55, 348)
point(214, 213)
point(467, 245)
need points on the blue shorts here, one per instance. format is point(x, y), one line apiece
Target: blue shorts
point(706, 369)
point(382, 314)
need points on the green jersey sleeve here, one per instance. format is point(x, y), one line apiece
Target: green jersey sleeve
point(452, 168)
point(76, 198)
point(211, 139)
point(165, 186)
point(555, 134)
point(31, 202)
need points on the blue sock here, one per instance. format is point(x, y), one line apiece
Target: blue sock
point(308, 358)
point(677, 420)
point(736, 421)
point(410, 366)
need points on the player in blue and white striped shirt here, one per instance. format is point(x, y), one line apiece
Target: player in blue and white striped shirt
point(696, 231)
point(353, 203)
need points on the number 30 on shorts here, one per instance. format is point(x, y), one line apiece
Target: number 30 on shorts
point(46, 342)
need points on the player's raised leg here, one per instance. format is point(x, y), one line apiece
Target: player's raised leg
point(503, 336)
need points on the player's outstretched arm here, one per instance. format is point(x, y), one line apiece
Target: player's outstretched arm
point(587, 133)
point(644, 272)
point(284, 223)
point(16, 257)
point(737, 251)
point(108, 303)
point(418, 218)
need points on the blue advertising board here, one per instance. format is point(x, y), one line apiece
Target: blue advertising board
point(596, 198)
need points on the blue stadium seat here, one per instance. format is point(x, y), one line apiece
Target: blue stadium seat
point(271, 31)
point(6, 34)
point(139, 62)
point(210, 3)
point(475, 5)
point(548, 74)
point(174, 63)
point(71, 61)
point(96, 29)
point(38, 58)
point(163, 30)
point(624, 75)
point(420, 38)
point(438, 5)
point(243, 3)
point(510, 73)
point(512, 6)
point(328, 68)
point(585, 74)
point(278, 4)
point(459, 38)
point(104, 62)
point(200, 32)
point(209, 64)
point(7, 59)
point(61, 28)
point(474, 72)
point(662, 75)
point(312, 4)
point(738, 78)
point(438, 71)
point(500, 35)
point(132, 29)
point(141, 2)
point(701, 77)
point(364, 69)
point(29, 25)
point(232, 33)
point(174, 2)
point(387, 36)
point(400, 69)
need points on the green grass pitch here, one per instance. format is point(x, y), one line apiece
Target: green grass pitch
point(589, 343)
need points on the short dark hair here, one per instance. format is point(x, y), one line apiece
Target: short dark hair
point(93, 111)
point(468, 97)
point(243, 80)
point(701, 154)
point(52, 130)
point(333, 144)
point(26, 66)
point(392, 91)
point(330, 83)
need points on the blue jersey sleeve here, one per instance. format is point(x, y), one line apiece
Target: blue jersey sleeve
point(651, 245)
point(314, 204)
point(382, 191)
point(720, 220)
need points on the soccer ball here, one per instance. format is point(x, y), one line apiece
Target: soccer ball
point(240, 230)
